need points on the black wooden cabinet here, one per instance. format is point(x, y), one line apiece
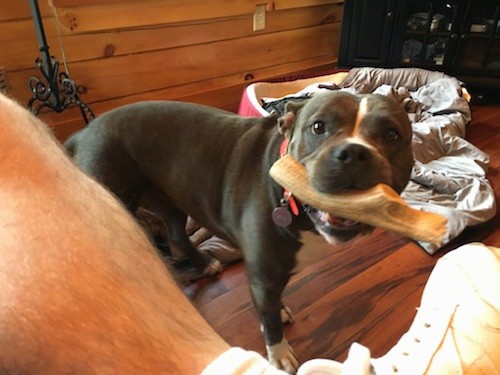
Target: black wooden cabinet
point(427, 33)
point(367, 44)
point(459, 37)
point(479, 44)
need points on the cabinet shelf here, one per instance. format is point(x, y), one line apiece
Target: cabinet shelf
point(480, 36)
point(430, 33)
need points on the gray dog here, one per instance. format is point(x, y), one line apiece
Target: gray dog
point(213, 165)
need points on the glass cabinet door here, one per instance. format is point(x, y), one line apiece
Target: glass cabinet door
point(479, 46)
point(429, 33)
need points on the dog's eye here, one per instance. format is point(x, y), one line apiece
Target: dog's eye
point(391, 134)
point(318, 127)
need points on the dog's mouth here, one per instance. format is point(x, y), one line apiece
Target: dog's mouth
point(336, 229)
point(335, 221)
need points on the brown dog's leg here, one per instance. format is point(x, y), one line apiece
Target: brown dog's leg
point(82, 290)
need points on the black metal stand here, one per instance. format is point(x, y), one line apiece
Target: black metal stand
point(57, 91)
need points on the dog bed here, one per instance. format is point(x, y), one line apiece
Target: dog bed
point(449, 176)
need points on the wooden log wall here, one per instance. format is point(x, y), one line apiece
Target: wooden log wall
point(205, 52)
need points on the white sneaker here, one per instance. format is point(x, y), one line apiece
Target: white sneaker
point(456, 329)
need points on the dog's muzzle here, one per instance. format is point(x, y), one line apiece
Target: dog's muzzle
point(345, 167)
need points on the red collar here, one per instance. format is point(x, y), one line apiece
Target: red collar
point(284, 147)
point(287, 194)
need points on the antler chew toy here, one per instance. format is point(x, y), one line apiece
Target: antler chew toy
point(379, 206)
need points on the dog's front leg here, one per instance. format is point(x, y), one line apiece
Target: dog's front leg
point(266, 293)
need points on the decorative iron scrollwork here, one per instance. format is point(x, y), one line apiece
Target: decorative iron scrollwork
point(57, 91)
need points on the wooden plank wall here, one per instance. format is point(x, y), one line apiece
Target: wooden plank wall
point(206, 52)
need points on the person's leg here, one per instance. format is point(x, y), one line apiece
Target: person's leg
point(82, 289)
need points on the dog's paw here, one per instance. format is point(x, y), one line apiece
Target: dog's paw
point(213, 267)
point(283, 357)
point(286, 315)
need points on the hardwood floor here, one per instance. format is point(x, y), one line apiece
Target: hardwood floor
point(365, 292)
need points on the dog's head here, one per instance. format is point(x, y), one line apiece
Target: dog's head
point(348, 142)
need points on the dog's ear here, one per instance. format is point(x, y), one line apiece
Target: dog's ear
point(287, 121)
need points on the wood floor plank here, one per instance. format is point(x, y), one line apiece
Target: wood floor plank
point(328, 326)
point(244, 331)
point(227, 306)
point(209, 288)
point(337, 269)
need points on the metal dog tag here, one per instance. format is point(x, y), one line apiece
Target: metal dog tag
point(282, 216)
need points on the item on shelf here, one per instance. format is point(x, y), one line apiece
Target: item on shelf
point(436, 22)
point(417, 21)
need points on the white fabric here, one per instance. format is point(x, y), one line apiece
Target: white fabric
point(449, 176)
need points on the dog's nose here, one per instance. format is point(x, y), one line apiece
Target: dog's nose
point(351, 153)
